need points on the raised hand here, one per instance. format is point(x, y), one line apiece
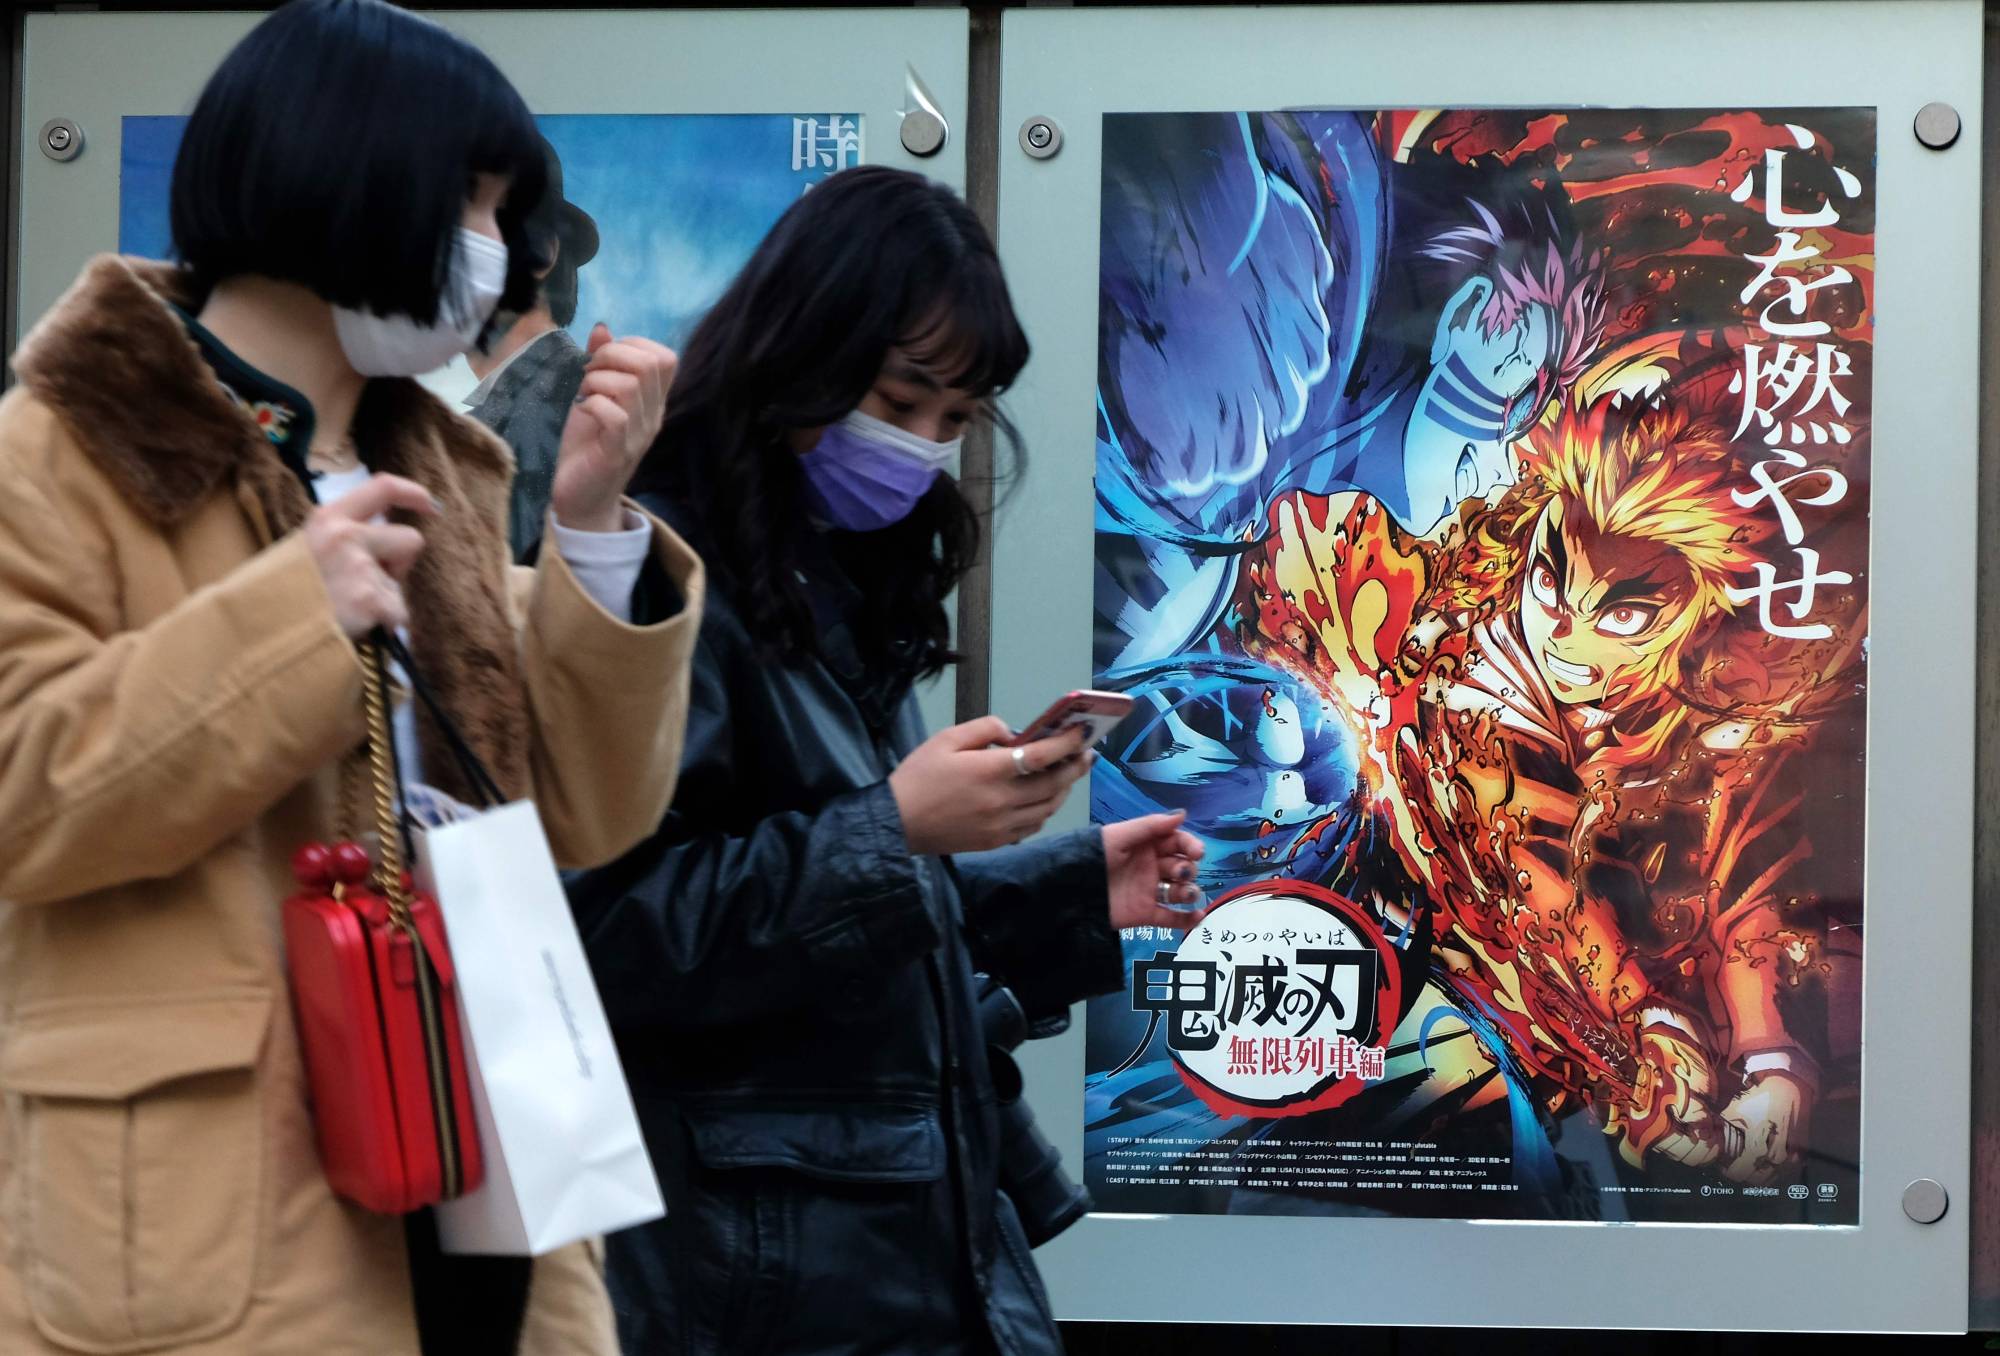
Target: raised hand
point(617, 415)
point(1151, 862)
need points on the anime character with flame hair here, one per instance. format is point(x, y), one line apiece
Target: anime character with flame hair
point(1588, 764)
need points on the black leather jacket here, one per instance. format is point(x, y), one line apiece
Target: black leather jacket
point(792, 993)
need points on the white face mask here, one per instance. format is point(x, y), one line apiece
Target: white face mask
point(397, 346)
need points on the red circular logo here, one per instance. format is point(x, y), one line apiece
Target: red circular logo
point(1279, 1002)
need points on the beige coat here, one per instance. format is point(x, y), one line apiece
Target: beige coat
point(175, 697)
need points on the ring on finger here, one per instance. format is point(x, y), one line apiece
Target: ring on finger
point(1021, 768)
point(1166, 893)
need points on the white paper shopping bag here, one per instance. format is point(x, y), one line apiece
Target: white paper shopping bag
point(564, 1156)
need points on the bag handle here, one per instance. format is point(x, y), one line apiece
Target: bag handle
point(474, 771)
point(385, 766)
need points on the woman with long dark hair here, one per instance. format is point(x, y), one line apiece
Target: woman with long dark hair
point(217, 480)
point(802, 964)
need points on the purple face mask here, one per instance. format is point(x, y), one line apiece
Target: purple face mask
point(865, 474)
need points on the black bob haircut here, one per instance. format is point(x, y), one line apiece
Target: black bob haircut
point(871, 259)
point(335, 147)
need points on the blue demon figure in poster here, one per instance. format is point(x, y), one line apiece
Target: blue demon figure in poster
point(1482, 531)
point(1269, 324)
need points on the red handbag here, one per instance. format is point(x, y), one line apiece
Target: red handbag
point(374, 993)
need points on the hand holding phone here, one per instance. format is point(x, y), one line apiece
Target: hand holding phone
point(964, 790)
point(1099, 713)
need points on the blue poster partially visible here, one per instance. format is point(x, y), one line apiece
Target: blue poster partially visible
point(679, 200)
point(145, 184)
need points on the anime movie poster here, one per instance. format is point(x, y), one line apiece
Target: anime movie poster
point(1482, 526)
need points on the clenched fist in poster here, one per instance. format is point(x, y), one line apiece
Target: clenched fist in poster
point(1772, 1115)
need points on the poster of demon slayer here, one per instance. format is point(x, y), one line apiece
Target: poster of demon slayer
point(1482, 530)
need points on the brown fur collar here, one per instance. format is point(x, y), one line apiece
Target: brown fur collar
point(117, 367)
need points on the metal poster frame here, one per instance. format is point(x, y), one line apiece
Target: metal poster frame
point(1889, 1273)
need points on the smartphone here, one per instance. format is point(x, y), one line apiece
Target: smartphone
point(1099, 712)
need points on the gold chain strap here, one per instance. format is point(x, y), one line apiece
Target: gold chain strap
point(347, 814)
point(389, 871)
point(389, 879)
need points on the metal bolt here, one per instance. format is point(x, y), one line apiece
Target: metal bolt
point(1040, 137)
point(61, 139)
point(923, 132)
point(1925, 1201)
point(1937, 126)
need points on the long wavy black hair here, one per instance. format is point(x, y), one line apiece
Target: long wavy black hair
point(870, 259)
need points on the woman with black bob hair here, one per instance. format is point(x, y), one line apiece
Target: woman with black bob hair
point(796, 964)
point(216, 478)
